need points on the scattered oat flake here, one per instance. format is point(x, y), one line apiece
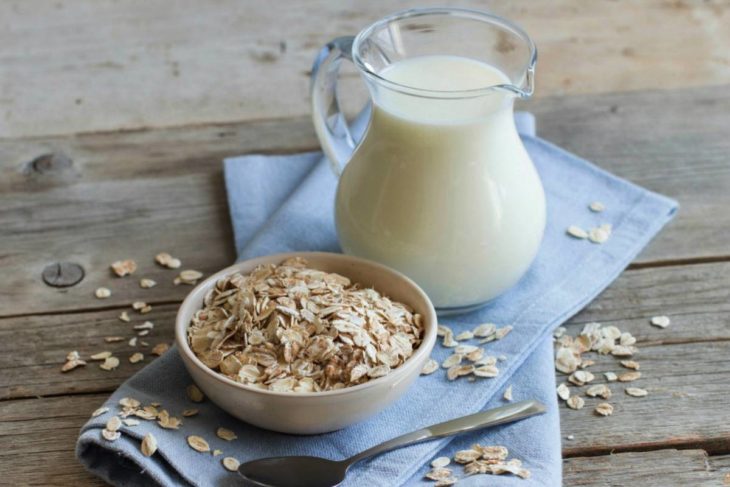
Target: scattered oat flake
point(128, 402)
point(138, 305)
point(508, 394)
point(464, 349)
point(600, 234)
point(636, 392)
point(566, 360)
point(452, 360)
point(576, 232)
point(563, 392)
point(484, 330)
point(113, 339)
point(136, 357)
point(601, 390)
point(101, 355)
point(503, 332)
point(217, 452)
point(166, 260)
point(190, 412)
point(146, 283)
point(660, 321)
point(629, 376)
point(570, 437)
point(443, 330)
point(597, 207)
point(465, 335)
point(102, 293)
point(604, 409)
point(430, 367)
point(475, 355)
point(99, 412)
point(72, 364)
point(160, 348)
point(198, 444)
point(486, 371)
point(143, 333)
point(194, 393)
point(110, 363)
point(438, 473)
point(575, 402)
point(114, 423)
point(147, 325)
point(581, 377)
point(226, 434)
point(610, 376)
point(630, 364)
point(110, 435)
point(133, 342)
point(440, 462)
point(146, 309)
point(168, 422)
point(190, 276)
point(466, 456)
point(124, 267)
point(460, 370)
point(149, 445)
point(623, 351)
point(124, 316)
point(449, 342)
point(230, 463)
point(130, 422)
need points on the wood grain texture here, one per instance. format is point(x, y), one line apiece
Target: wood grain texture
point(684, 366)
point(32, 348)
point(233, 60)
point(657, 468)
point(133, 194)
point(57, 420)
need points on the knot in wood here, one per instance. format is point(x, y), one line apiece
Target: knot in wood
point(55, 162)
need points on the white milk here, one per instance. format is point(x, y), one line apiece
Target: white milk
point(443, 189)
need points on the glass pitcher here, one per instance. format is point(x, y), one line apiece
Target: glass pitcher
point(440, 186)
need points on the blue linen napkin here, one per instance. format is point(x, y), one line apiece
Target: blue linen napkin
point(284, 203)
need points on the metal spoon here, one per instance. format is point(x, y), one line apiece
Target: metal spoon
point(320, 472)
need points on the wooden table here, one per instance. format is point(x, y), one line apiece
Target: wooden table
point(115, 116)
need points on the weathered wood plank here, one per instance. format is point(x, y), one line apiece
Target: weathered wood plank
point(686, 405)
point(137, 193)
point(657, 468)
point(57, 420)
point(683, 366)
point(32, 348)
point(230, 60)
point(645, 141)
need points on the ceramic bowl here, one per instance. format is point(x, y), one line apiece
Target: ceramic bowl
point(312, 412)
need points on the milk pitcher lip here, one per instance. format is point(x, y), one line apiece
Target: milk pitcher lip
point(522, 87)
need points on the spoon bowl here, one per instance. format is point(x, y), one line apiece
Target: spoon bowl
point(292, 471)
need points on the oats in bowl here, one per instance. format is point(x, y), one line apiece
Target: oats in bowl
point(290, 328)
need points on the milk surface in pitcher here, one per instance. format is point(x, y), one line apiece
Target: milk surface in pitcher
point(441, 188)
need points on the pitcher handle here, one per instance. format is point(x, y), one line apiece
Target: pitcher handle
point(329, 121)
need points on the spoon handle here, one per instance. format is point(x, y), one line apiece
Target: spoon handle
point(491, 417)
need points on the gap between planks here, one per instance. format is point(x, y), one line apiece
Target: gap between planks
point(631, 267)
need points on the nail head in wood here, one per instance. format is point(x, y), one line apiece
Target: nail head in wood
point(63, 274)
